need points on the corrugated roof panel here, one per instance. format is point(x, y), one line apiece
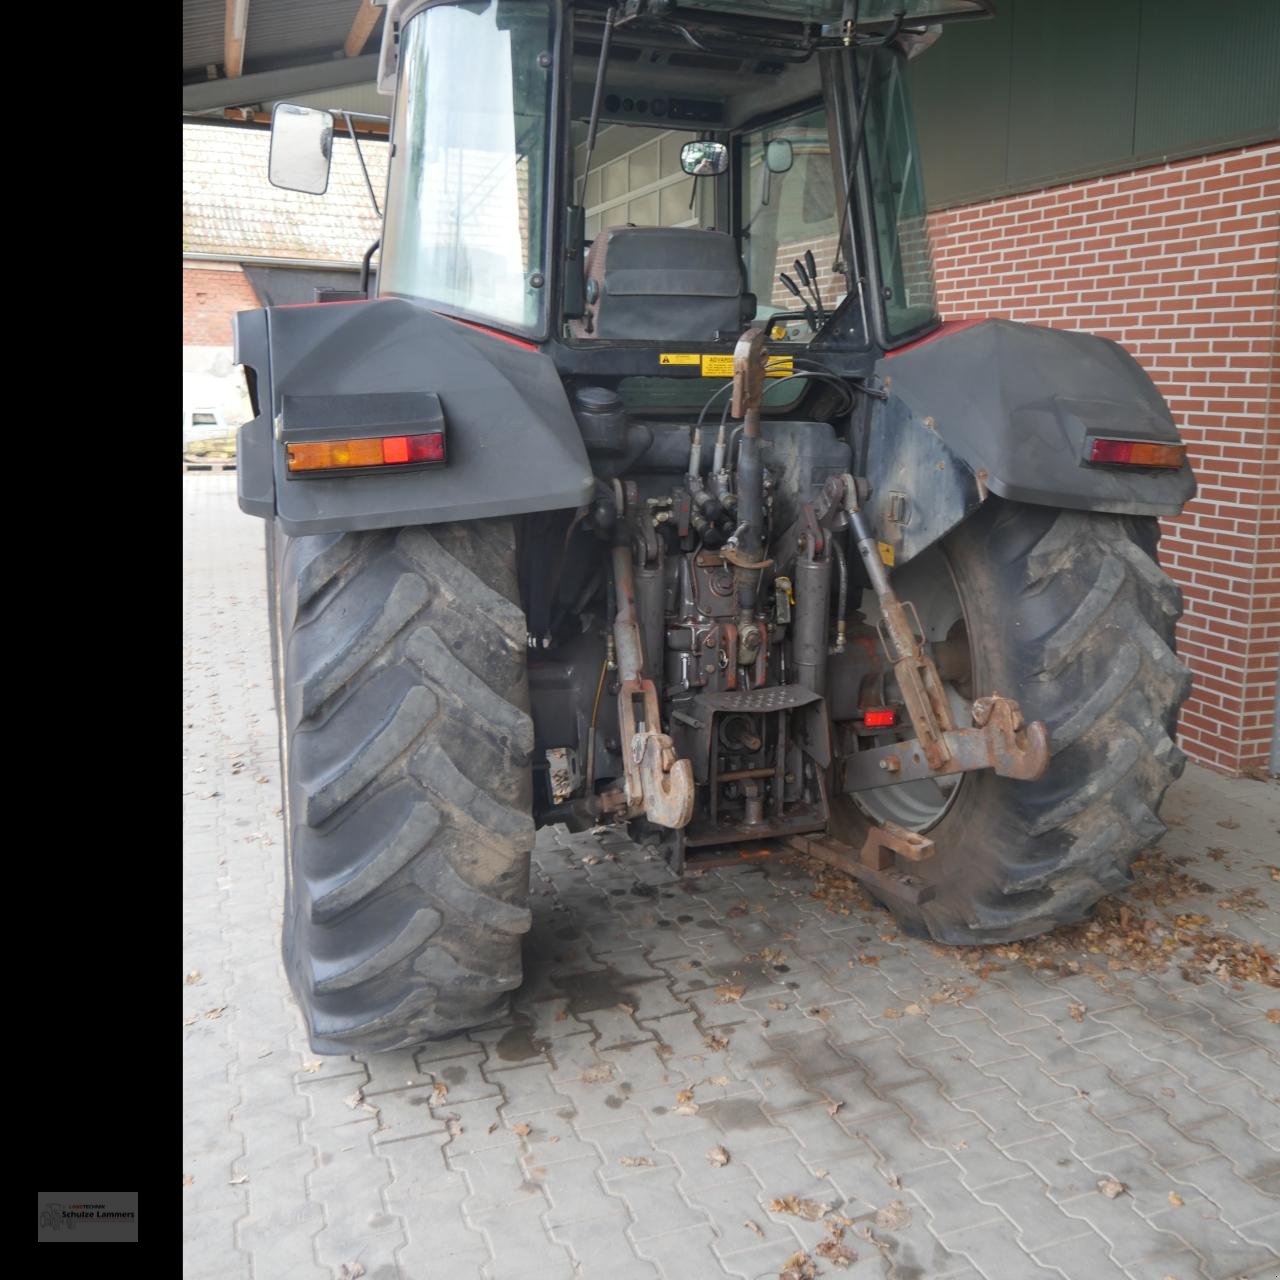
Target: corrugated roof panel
point(279, 32)
point(281, 28)
point(202, 31)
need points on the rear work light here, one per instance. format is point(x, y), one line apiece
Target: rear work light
point(879, 717)
point(380, 451)
point(1136, 453)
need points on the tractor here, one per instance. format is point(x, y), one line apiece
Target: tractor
point(640, 485)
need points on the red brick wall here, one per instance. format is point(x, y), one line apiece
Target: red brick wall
point(211, 294)
point(1178, 263)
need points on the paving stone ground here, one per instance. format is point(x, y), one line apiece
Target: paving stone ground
point(963, 1140)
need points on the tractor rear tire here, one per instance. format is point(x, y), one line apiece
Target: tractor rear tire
point(405, 731)
point(1069, 613)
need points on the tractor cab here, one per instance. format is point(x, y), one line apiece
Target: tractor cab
point(580, 175)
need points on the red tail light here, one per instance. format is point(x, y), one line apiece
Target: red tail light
point(1136, 453)
point(879, 717)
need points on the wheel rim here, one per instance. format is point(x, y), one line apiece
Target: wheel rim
point(929, 584)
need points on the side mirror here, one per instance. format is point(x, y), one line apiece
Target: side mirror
point(778, 156)
point(704, 159)
point(301, 148)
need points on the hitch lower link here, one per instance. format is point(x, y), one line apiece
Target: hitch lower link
point(657, 783)
point(999, 740)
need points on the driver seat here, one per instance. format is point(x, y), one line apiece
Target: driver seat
point(663, 283)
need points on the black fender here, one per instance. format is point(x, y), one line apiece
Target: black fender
point(1005, 408)
point(512, 443)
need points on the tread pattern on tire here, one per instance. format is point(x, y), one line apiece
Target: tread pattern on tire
point(407, 747)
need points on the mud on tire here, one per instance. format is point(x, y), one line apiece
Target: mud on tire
point(1069, 613)
point(405, 744)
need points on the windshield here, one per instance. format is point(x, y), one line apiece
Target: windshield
point(789, 206)
point(466, 198)
point(897, 196)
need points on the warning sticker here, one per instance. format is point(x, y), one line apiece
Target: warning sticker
point(679, 357)
point(722, 366)
point(886, 553)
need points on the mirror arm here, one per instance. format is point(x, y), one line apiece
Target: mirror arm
point(363, 169)
point(365, 265)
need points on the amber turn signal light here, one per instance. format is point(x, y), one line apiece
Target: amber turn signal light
point(379, 451)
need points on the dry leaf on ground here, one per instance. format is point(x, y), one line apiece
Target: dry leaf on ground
point(193, 977)
point(598, 1074)
point(839, 1254)
point(1077, 1012)
point(799, 1266)
point(187, 1179)
point(718, 1157)
point(1176, 1200)
point(1111, 1187)
point(636, 1162)
point(522, 1129)
point(809, 1210)
point(312, 1067)
point(893, 1216)
point(715, 1043)
point(751, 1226)
point(726, 994)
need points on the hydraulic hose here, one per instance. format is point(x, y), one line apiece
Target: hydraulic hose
point(842, 594)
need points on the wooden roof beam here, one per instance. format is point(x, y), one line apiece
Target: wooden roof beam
point(233, 33)
point(361, 28)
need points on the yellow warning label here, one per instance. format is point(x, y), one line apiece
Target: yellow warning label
point(722, 367)
point(886, 553)
point(679, 357)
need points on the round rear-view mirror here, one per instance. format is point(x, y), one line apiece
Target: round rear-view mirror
point(777, 156)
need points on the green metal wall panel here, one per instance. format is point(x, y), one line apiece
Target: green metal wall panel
point(1055, 90)
point(1207, 72)
point(1073, 73)
point(961, 103)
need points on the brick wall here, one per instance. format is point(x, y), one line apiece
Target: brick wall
point(211, 294)
point(1179, 263)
